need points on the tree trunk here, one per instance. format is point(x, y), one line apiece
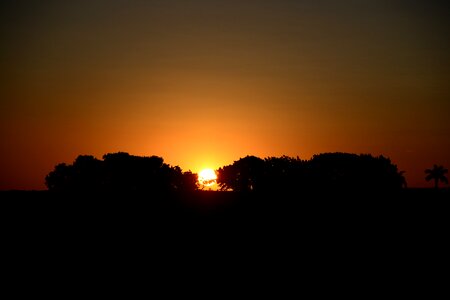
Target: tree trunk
point(436, 181)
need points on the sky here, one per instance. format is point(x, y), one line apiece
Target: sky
point(202, 83)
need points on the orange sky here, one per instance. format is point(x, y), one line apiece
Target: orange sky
point(203, 83)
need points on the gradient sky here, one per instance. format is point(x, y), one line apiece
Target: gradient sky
point(203, 83)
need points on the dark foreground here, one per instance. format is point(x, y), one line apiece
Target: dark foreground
point(222, 212)
point(390, 238)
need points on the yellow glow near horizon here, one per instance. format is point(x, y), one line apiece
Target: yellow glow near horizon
point(207, 177)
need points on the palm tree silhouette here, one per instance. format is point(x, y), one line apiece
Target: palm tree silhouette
point(438, 174)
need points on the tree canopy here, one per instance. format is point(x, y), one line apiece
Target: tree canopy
point(119, 172)
point(122, 172)
point(330, 171)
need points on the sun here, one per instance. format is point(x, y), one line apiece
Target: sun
point(207, 177)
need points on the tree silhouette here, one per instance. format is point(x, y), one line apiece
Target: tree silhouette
point(87, 173)
point(184, 181)
point(119, 172)
point(437, 173)
point(243, 175)
point(284, 173)
point(61, 178)
point(129, 173)
point(124, 173)
point(347, 171)
point(324, 172)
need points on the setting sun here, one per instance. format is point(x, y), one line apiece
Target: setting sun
point(207, 177)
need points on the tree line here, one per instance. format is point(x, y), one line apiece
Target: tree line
point(119, 172)
point(326, 171)
point(122, 172)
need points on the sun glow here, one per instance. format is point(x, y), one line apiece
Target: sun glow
point(207, 177)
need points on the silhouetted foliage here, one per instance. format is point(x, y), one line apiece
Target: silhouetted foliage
point(87, 173)
point(327, 171)
point(243, 175)
point(61, 178)
point(119, 172)
point(346, 171)
point(284, 173)
point(437, 173)
point(184, 181)
point(124, 173)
